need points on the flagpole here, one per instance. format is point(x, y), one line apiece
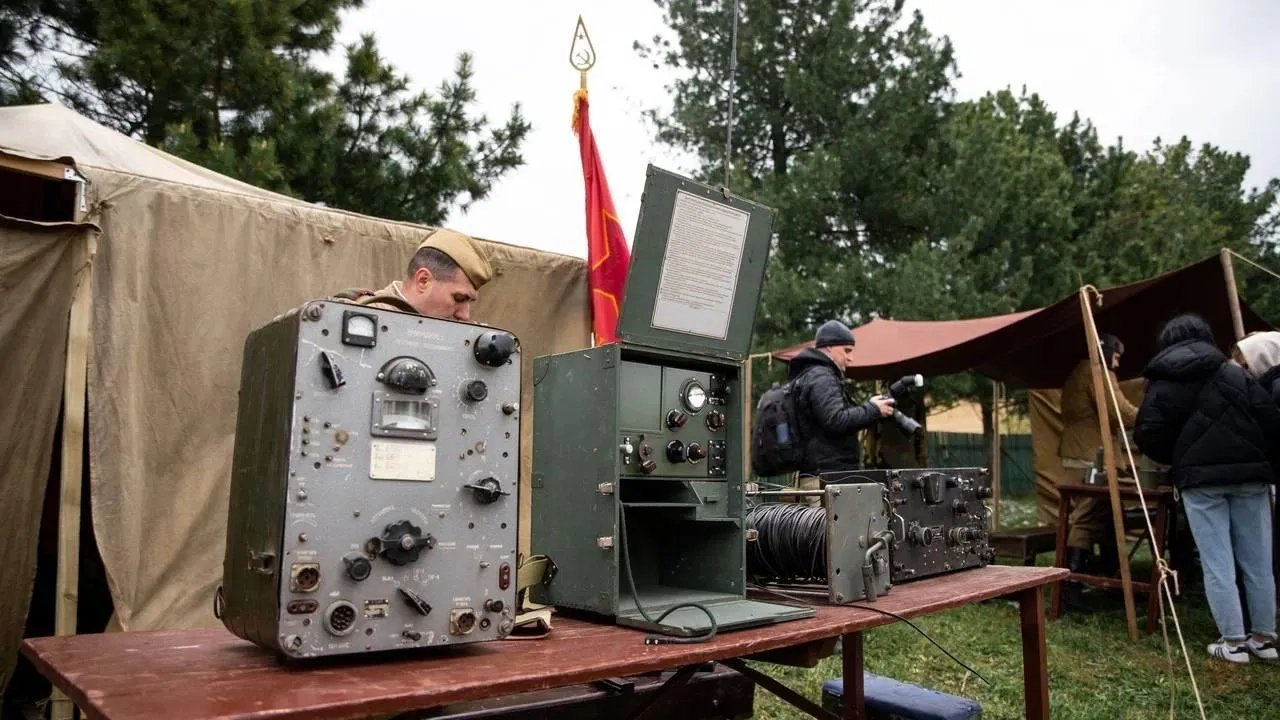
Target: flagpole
point(582, 57)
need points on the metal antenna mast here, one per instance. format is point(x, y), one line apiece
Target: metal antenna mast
point(733, 68)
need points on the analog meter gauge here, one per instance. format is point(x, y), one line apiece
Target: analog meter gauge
point(693, 395)
point(359, 329)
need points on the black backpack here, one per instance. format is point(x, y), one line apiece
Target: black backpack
point(776, 445)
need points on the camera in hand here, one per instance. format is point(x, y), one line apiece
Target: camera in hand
point(900, 391)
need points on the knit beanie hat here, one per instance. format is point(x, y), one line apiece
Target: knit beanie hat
point(833, 332)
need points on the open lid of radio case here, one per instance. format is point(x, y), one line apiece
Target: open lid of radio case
point(697, 267)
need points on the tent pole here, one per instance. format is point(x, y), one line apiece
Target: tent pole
point(1233, 297)
point(1109, 459)
point(747, 415)
point(67, 601)
point(997, 392)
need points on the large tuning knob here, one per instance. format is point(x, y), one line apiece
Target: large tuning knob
point(494, 347)
point(401, 543)
point(408, 374)
point(487, 490)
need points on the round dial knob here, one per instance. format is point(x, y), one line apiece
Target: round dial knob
point(677, 419)
point(695, 452)
point(358, 566)
point(475, 391)
point(922, 535)
point(715, 420)
point(494, 347)
point(675, 451)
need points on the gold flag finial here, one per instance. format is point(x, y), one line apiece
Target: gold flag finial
point(582, 54)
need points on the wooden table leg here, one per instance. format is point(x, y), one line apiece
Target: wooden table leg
point(1060, 558)
point(1035, 666)
point(851, 655)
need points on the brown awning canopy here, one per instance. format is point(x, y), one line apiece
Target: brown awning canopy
point(1038, 348)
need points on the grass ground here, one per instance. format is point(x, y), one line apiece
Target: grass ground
point(1095, 671)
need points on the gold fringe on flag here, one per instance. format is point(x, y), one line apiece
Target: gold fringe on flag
point(579, 97)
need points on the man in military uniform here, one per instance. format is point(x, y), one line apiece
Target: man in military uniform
point(444, 277)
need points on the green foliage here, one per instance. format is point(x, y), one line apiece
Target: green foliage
point(897, 201)
point(229, 85)
point(836, 105)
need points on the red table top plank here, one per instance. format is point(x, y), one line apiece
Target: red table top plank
point(209, 673)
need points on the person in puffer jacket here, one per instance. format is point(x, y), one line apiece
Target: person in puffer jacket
point(1206, 418)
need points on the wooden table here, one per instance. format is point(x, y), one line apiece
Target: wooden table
point(1160, 500)
point(209, 673)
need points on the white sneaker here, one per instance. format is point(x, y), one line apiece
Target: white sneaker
point(1224, 651)
point(1262, 650)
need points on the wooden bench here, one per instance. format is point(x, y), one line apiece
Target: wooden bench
point(1025, 543)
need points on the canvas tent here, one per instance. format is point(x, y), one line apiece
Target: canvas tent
point(1037, 349)
point(183, 263)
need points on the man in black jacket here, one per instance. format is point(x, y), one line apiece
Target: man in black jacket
point(829, 419)
point(1216, 429)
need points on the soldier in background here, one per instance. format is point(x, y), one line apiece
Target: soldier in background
point(443, 279)
point(1089, 523)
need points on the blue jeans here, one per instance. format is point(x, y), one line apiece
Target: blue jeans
point(1232, 525)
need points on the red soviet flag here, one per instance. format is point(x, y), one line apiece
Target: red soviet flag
point(607, 253)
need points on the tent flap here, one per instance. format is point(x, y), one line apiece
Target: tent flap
point(38, 266)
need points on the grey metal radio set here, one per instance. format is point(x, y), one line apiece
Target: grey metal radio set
point(374, 485)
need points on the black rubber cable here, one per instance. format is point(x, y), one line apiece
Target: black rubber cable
point(631, 581)
point(895, 616)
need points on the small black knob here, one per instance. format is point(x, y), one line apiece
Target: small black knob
point(493, 605)
point(676, 419)
point(959, 507)
point(696, 452)
point(494, 347)
point(715, 420)
point(984, 491)
point(675, 451)
point(358, 566)
point(922, 535)
point(475, 391)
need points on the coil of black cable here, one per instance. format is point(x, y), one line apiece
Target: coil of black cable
point(791, 543)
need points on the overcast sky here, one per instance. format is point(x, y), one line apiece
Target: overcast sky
point(1139, 69)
